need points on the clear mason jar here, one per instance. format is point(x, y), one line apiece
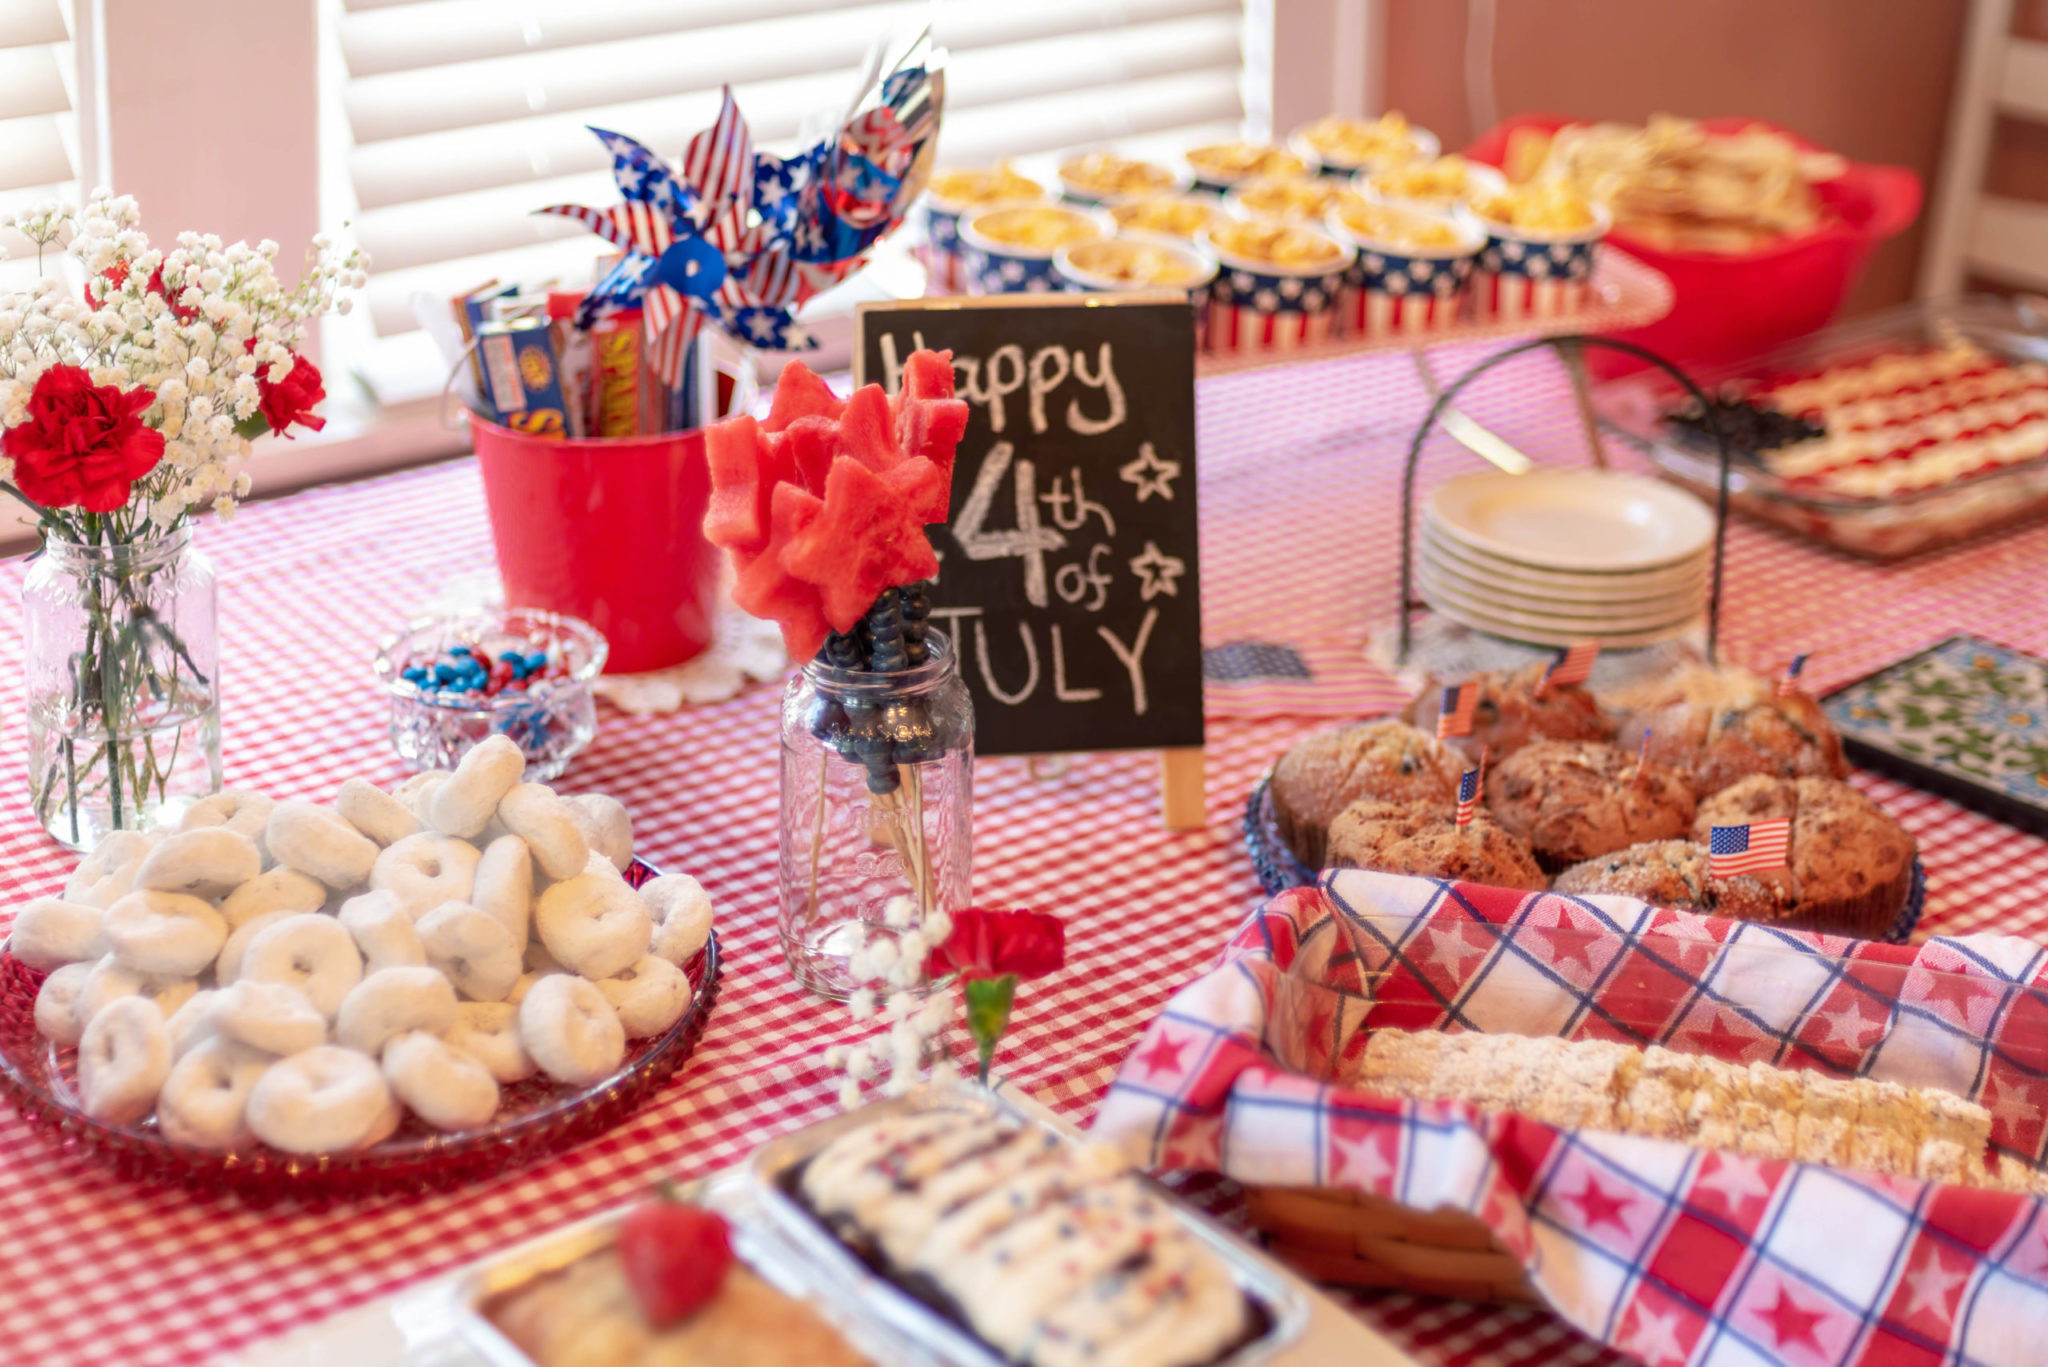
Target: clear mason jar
point(123, 701)
point(877, 804)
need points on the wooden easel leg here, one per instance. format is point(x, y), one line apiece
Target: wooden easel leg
point(1183, 789)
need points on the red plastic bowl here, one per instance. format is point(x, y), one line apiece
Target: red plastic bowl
point(1726, 307)
point(610, 530)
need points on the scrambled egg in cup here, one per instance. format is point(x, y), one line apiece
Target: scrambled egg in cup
point(1286, 245)
point(1235, 161)
point(1105, 173)
point(995, 185)
point(1172, 215)
point(1139, 263)
point(1354, 142)
point(1036, 227)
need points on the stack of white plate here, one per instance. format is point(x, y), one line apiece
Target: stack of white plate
point(1556, 557)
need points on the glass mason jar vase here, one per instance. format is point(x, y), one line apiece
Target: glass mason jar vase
point(123, 700)
point(877, 804)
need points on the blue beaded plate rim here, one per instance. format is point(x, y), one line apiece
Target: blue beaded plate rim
point(1279, 871)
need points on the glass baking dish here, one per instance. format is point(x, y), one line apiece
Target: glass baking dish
point(1888, 526)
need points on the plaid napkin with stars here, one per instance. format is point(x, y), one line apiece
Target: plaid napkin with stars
point(1674, 1254)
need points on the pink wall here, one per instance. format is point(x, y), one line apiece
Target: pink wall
point(1868, 78)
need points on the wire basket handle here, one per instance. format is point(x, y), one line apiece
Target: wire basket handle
point(1565, 346)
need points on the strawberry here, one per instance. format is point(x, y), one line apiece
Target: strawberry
point(675, 1257)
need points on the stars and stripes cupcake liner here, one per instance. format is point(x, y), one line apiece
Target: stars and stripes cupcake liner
point(1521, 278)
point(1255, 310)
point(1388, 294)
point(1675, 1254)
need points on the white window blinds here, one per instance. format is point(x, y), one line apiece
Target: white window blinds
point(465, 115)
point(38, 131)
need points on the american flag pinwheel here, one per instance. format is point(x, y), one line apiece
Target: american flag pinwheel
point(740, 238)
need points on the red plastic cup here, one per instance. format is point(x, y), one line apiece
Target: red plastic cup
point(1729, 306)
point(610, 530)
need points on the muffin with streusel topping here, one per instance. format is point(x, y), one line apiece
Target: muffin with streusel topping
point(1514, 709)
point(1721, 725)
point(1675, 874)
point(1330, 770)
point(1573, 799)
point(1424, 838)
point(1851, 863)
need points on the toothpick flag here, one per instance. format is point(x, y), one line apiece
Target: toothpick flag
point(1454, 713)
point(1757, 847)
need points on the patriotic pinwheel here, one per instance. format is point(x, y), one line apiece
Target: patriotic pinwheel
point(740, 238)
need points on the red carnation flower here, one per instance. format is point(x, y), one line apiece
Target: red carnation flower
point(291, 399)
point(83, 445)
point(993, 944)
point(116, 276)
point(993, 951)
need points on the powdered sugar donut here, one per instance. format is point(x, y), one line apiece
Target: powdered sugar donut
point(595, 925)
point(445, 1087)
point(107, 982)
point(123, 1058)
point(418, 790)
point(489, 1033)
point(474, 950)
point(312, 839)
point(168, 934)
point(57, 1005)
point(464, 805)
point(388, 1121)
point(108, 873)
point(320, 1101)
point(192, 1024)
point(682, 916)
point(504, 887)
point(606, 826)
point(208, 863)
point(649, 997)
point(237, 809)
point(383, 931)
point(570, 1031)
point(376, 813)
point(205, 1099)
point(50, 932)
point(313, 953)
point(228, 966)
point(278, 889)
point(390, 1002)
point(269, 1016)
point(547, 824)
point(425, 870)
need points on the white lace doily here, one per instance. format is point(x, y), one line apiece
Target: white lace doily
point(746, 649)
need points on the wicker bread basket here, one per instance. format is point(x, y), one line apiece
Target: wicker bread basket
point(1333, 1235)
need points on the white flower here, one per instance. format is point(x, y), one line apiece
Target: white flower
point(899, 1084)
point(899, 913)
point(938, 926)
point(836, 1055)
point(862, 1003)
point(899, 1006)
point(849, 1095)
point(860, 1063)
point(933, 1016)
point(914, 948)
point(944, 1073)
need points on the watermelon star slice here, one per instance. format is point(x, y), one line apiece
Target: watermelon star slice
point(801, 394)
point(767, 590)
point(867, 539)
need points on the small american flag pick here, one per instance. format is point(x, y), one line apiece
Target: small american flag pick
point(1468, 796)
point(1573, 665)
point(1788, 682)
point(1759, 847)
point(1454, 714)
point(1643, 758)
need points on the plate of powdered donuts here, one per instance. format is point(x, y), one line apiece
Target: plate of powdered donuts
point(400, 988)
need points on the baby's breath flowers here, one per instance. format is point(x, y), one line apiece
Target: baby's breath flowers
point(990, 951)
point(207, 331)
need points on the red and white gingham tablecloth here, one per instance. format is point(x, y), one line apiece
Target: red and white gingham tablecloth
point(1299, 486)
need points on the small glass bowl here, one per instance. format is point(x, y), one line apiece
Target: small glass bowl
point(433, 728)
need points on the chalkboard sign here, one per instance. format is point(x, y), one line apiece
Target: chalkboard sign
point(1067, 571)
